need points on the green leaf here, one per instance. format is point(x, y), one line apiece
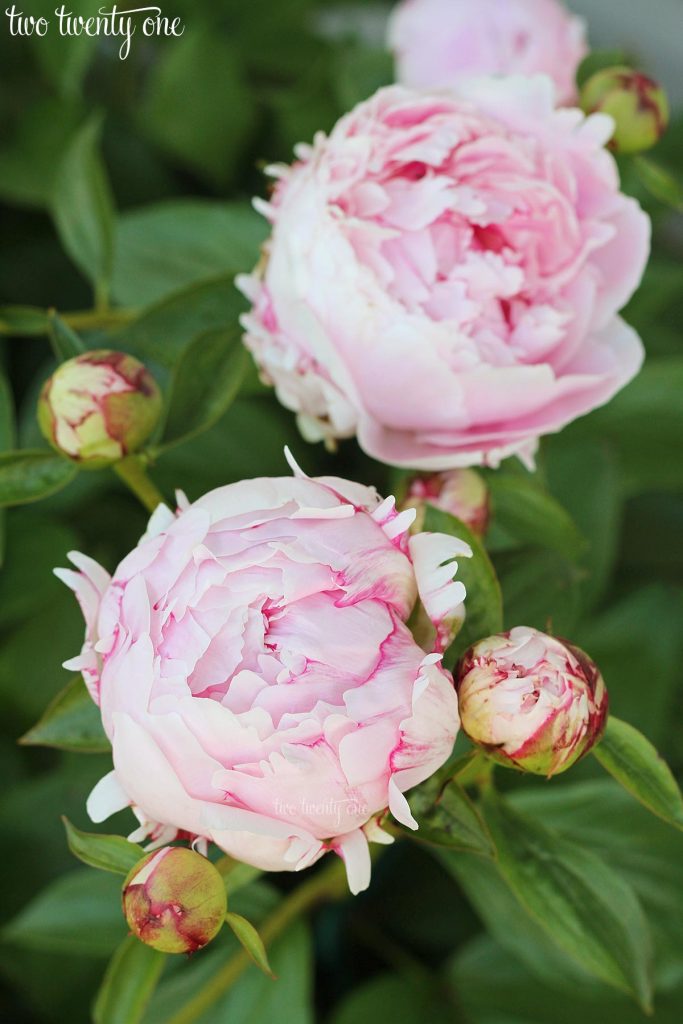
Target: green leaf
point(197, 106)
point(23, 321)
point(33, 152)
point(108, 853)
point(254, 998)
point(79, 913)
point(65, 343)
point(447, 817)
point(659, 182)
point(250, 940)
point(128, 984)
point(178, 243)
point(206, 379)
point(633, 761)
point(532, 515)
point(7, 440)
point(595, 505)
point(506, 920)
point(639, 847)
point(621, 641)
point(64, 59)
point(27, 476)
point(645, 418)
point(83, 207)
point(582, 905)
point(71, 722)
point(236, 874)
point(542, 589)
point(483, 604)
point(359, 73)
point(163, 332)
point(399, 999)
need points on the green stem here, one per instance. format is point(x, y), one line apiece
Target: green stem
point(102, 297)
point(329, 884)
point(134, 475)
point(91, 319)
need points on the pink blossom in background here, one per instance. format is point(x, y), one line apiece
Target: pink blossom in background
point(438, 42)
point(460, 492)
point(444, 275)
point(256, 676)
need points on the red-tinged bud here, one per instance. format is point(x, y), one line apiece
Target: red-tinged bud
point(531, 701)
point(461, 492)
point(174, 900)
point(637, 103)
point(99, 407)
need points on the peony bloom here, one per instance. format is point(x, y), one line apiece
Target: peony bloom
point(460, 492)
point(444, 275)
point(174, 900)
point(531, 701)
point(438, 42)
point(256, 676)
point(99, 407)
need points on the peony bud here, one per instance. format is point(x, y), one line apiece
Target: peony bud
point(531, 701)
point(462, 492)
point(637, 103)
point(99, 407)
point(174, 900)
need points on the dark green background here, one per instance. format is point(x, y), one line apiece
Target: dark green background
point(195, 119)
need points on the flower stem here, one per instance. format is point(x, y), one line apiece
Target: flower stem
point(329, 884)
point(133, 472)
point(92, 319)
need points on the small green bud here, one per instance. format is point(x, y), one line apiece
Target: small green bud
point(99, 407)
point(174, 900)
point(637, 103)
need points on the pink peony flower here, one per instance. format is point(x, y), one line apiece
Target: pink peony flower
point(531, 701)
point(444, 275)
point(438, 42)
point(256, 676)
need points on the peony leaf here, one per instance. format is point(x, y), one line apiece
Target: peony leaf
point(108, 853)
point(83, 207)
point(531, 515)
point(205, 381)
point(128, 984)
point(27, 476)
point(65, 343)
point(71, 722)
point(581, 904)
point(178, 243)
point(659, 182)
point(250, 940)
point(447, 817)
point(79, 914)
point(7, 440)
point(484, 603)
point(633, 761)
point(23, 321)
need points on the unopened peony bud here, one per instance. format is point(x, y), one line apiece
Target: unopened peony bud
point(99, 407)
point(462, 492)
point(638, 105)
point(531, 701)
point(174, 900)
